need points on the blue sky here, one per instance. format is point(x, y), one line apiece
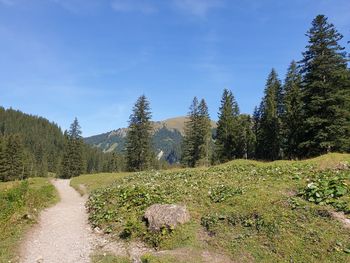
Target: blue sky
point(93, 58)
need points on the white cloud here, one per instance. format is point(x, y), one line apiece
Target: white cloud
point(142, 6)
point(198, 8)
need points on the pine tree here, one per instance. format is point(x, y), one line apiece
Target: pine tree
point(72, 161)
point(75, 130)
point(196, 147)
point(256, 118)
point(138, 147)
point(326, 91)
point(269, 139)
point(292, 117)
point(246, 138)
point(227, 135)
point(3, 174)
point(204, 135)
point(189, 145)
point(13, 158)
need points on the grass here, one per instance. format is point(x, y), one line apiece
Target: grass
point(20, 203)
point(89, 182)
point(109, 259)
point(247, 210)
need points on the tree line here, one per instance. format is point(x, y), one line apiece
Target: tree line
point(307, 115)
point(31, 146)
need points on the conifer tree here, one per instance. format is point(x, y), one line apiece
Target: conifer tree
point(292, 118)
point(197, 139)
point(3, 174)
point(246, 137)
point(227, 130)
point(138, 147)
point(269, 139)
point(204, 135)
point(189, 154)
point(13, 158)
point(72, 161)
point(256, 127)
point(326, 91)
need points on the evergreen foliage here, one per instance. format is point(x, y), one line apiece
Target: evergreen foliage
point(72, 161)
point(41, 147)
point(326, 91)
point(197, 139)
point(306, 116)
point(11, 159)
point(269, 137)
point(292, 118)
point(227, 133)
point(42, 140)
point(138, 146)
point(246, 137)
point(204, 135)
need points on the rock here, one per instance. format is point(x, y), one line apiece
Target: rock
point(342, 166)
point(28, 217)
point(98, 231)
point(159, 216)
point(39, 259)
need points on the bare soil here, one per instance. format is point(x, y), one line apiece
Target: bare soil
point(62, 233)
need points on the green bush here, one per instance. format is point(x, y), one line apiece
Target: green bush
point(327, 189)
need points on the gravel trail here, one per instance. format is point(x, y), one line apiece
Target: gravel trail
point(62, 233)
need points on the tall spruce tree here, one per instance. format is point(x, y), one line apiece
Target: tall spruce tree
point(189, 152)
point(246, 137)
point(138, 147)
point(292, 118)
point(13, 158)
point(326, 91)
point(72, 162)
point(204, 135)
point(197, 139)
point(3, 174)
point(227, 129)
point(269, 137)
point(256, 127)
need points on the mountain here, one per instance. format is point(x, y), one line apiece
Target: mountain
point(167, 139)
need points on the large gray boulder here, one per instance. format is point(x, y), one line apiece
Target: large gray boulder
point(159, 216)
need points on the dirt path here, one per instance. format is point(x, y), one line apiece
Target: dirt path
point(63, 233)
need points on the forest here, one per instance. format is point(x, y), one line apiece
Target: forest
point(306, 115)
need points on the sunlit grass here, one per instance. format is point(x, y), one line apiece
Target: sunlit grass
point(247, 210)
point(20, 203)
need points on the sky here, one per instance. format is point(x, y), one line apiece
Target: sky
point(92, 59)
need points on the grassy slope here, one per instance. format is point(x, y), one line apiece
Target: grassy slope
point(89, 182)
point(20, 202)
point(245, 209)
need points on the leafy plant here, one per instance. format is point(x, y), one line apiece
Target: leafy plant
point(325, 190)
point(220, 193)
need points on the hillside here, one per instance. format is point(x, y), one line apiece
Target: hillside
point(241, 211)
point(167, 138)
point(42, 140)
point(41, 146)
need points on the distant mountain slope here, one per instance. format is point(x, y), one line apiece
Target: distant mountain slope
point(43, 140)
point(177, 123)
point(167, 138)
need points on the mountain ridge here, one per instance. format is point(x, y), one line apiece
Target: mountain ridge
point(166, 136)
